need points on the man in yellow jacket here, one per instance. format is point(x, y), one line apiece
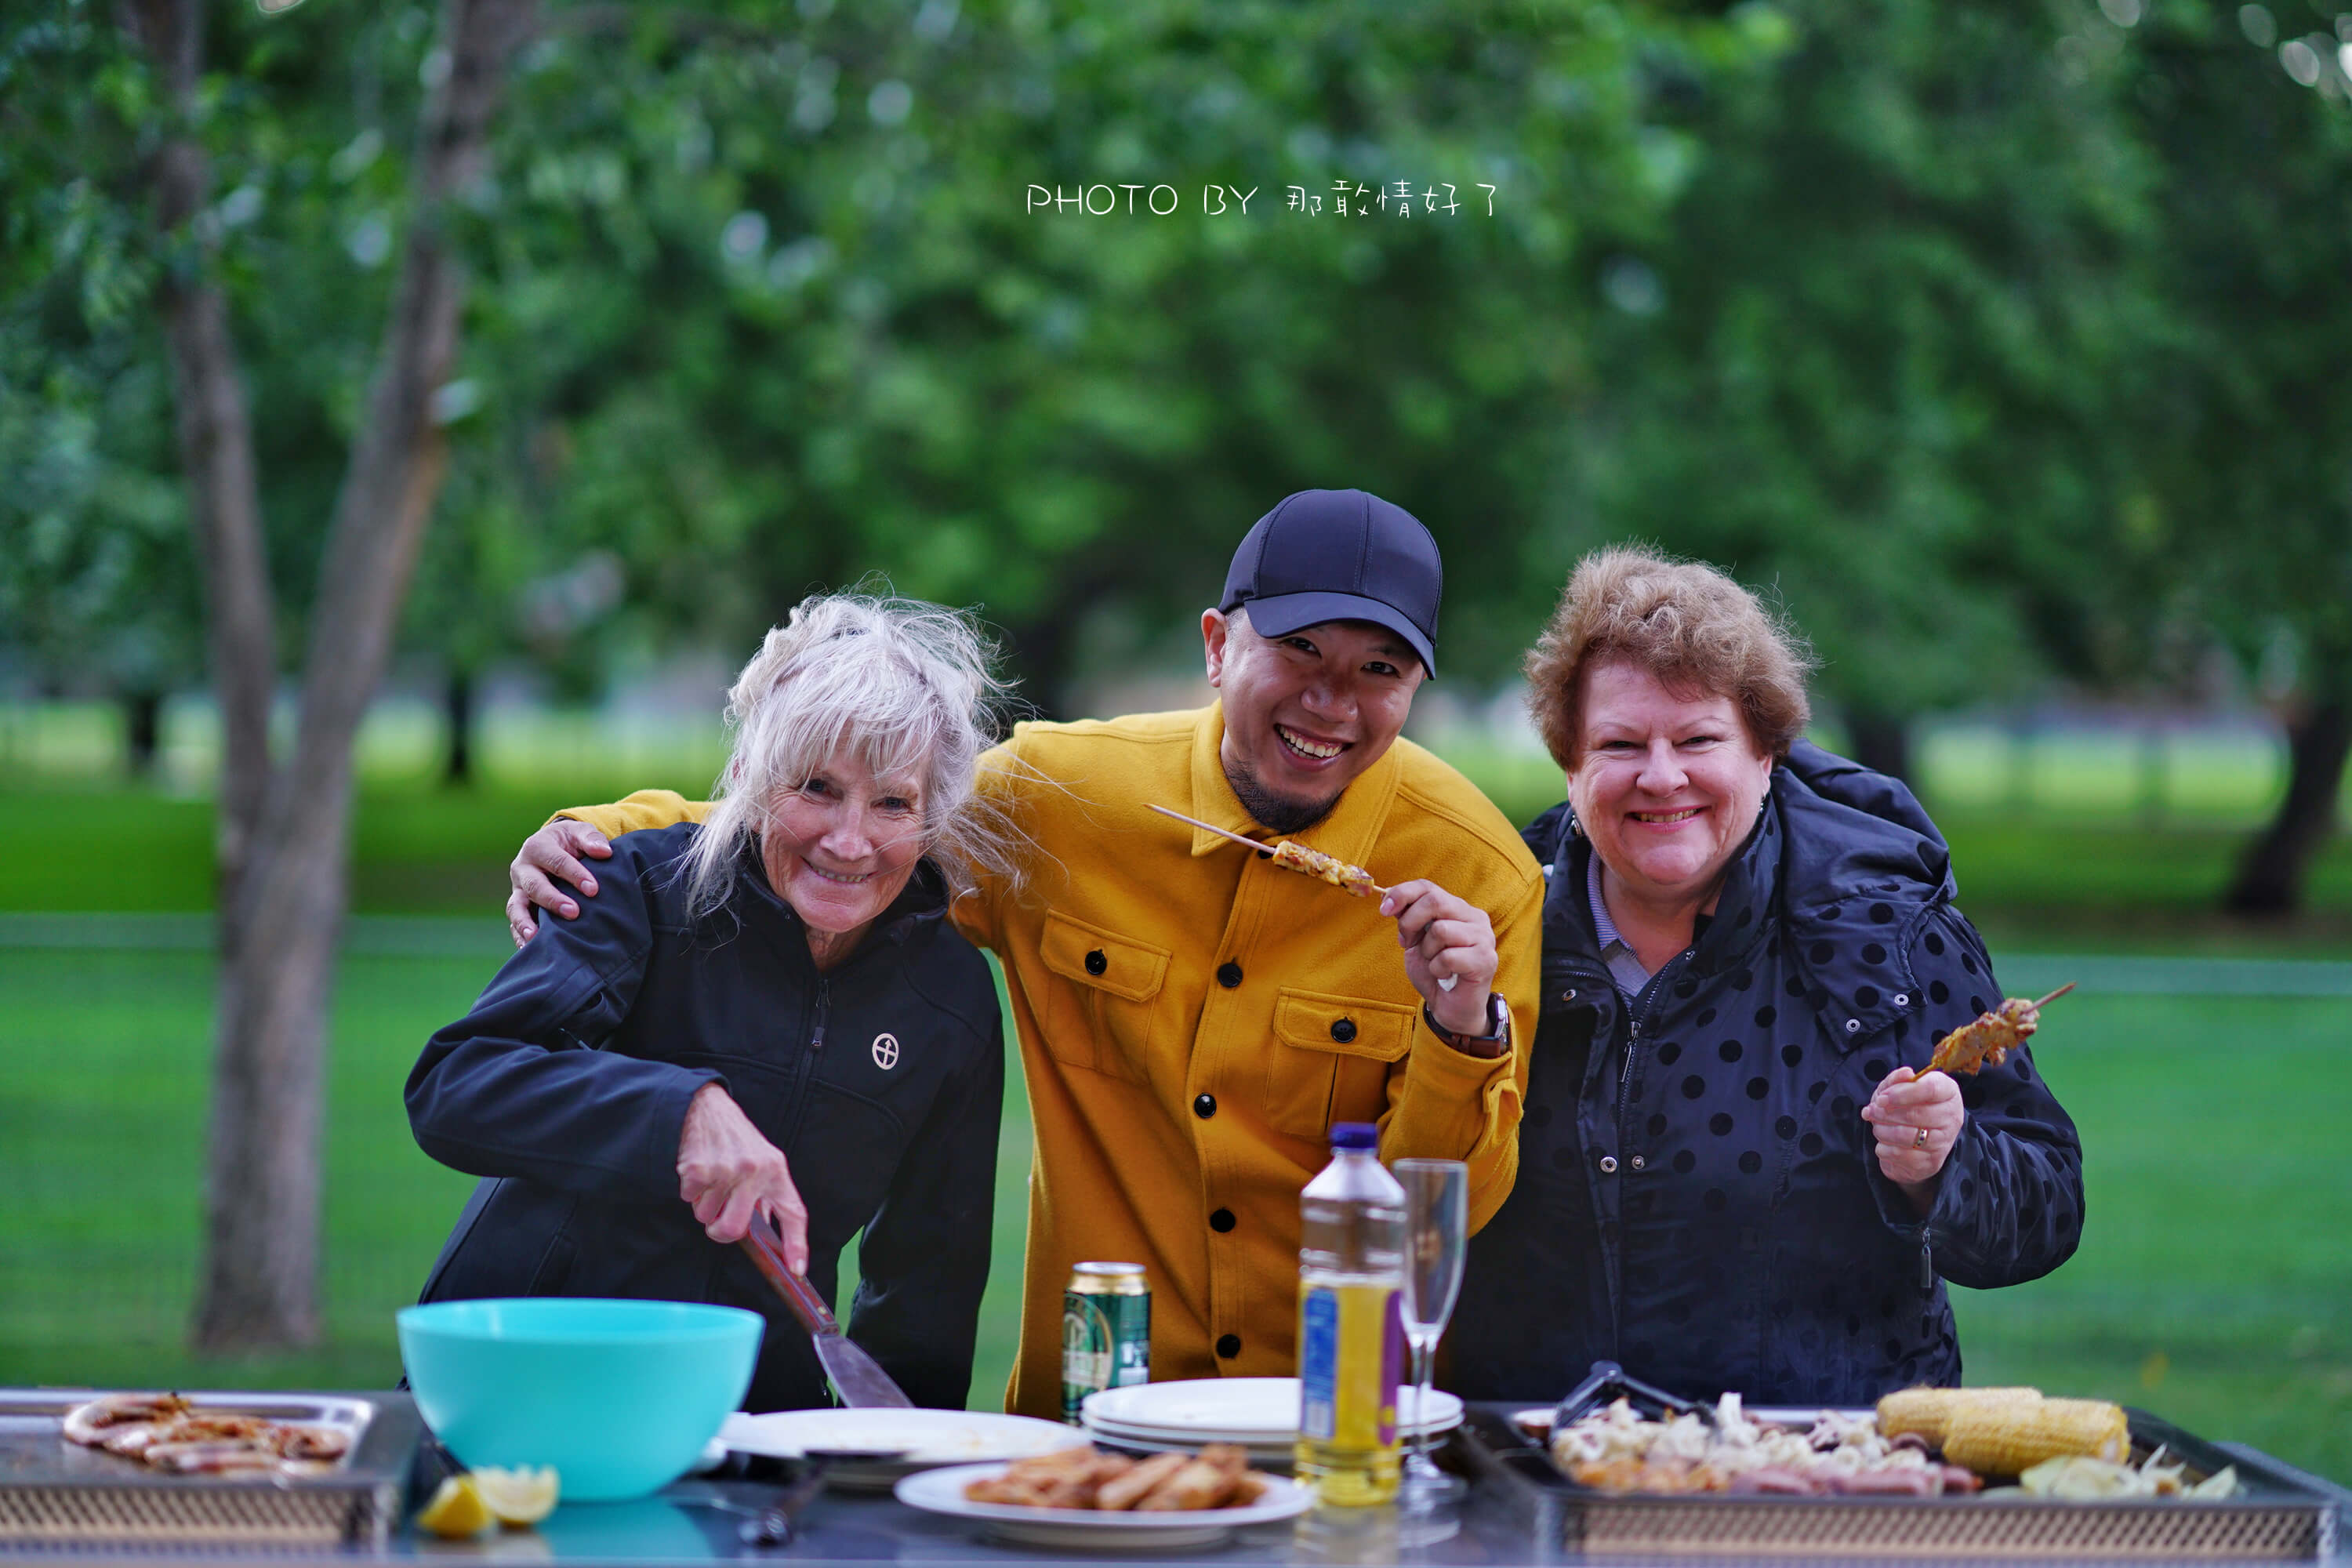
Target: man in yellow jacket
point(1193, 1017)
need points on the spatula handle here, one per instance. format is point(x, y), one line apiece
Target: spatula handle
point(798, 1293)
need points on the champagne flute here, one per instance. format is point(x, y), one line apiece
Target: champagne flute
point(1437, 1225)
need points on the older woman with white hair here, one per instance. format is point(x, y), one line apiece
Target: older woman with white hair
point(765, 1018)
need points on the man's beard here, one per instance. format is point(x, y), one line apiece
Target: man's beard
point(1276, 813)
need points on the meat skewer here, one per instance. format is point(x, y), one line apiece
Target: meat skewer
point(1987, 1042)
point(1293, 857)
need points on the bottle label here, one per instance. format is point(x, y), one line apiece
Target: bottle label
point(1350, 1353)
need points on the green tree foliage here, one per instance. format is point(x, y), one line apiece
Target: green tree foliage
point(1869, 358)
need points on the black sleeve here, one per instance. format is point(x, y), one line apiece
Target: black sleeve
point(924, 1261)
point(517, 1086)
point(2009, 1203)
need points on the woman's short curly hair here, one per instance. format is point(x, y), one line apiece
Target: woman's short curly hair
point(1686, 623)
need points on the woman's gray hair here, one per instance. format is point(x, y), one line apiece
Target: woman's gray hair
point(909, 687)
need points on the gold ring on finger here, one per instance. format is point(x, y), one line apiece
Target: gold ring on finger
point(1921, 1141)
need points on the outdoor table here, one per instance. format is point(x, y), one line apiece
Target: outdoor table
point(1499, 1522)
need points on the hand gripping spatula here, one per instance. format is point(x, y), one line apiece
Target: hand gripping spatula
point(857, 1378)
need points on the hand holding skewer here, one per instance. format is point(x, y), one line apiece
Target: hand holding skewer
point(1446, 939)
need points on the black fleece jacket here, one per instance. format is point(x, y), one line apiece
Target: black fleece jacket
point(881, 1081)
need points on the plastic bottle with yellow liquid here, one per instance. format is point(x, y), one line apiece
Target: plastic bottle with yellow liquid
point(1350, 1330)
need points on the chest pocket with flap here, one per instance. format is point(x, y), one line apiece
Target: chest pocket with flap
point(1331, 1058)
point(1102, 1011)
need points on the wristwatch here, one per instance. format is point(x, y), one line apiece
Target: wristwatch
point(1495, 1042)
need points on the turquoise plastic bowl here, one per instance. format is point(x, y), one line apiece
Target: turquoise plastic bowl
point(619, 1396)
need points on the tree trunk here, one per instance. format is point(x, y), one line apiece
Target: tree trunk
point(258, 1286)
point(215, 441)
point(142, 731)
point(2270, 877)
point(1880, 741)
point(457, 704)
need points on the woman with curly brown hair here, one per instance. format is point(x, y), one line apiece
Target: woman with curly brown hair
point(1735, 1172)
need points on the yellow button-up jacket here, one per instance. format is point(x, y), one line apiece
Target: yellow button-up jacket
point(1192, 1018)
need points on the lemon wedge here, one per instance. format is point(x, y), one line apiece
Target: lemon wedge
point(524, 1495)
point(456, 1511)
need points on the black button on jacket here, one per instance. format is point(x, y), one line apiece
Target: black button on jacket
point(881, 1081)
point(1741, 1235)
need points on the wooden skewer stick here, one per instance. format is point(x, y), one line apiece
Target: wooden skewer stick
point(1220, 832)
point(1444, 982)
point(1250, 843)
point(2054, 995)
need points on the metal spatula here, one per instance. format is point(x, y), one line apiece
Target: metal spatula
point(858, 1380)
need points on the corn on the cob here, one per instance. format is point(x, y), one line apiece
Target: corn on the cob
point(2008, 1439)
point(1928, 1411)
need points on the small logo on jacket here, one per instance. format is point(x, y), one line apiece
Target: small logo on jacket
point(886, 1051)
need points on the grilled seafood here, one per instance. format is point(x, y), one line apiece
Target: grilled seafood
point(165, 1432)
point(1616, 1449)
point(1987, 1042)
point(1218, 1476)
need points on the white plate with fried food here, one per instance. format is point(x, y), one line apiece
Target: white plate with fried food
point(1086, 1501)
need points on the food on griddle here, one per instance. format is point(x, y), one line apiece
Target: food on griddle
point(1296, 857)
point(2078, 1477)
point(1928, 1411)
point(165, 1432)
point(1617, 1449)
point(1987, 1042)
point(1921, 1442)
point(2008, 1439)
point(1218, 1476)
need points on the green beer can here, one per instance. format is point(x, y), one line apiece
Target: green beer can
point(1106, 1331)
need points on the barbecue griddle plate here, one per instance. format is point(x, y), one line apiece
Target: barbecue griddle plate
point(53, 1493)
point(2274, 1516)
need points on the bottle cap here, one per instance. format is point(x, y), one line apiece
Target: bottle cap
point(1355, 1135)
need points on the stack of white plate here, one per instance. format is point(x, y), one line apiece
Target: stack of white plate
point(1261, 1413)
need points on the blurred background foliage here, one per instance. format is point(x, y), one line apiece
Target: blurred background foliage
point(2005, 340)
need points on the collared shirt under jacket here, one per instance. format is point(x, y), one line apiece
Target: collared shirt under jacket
point(1698, 1198)
point(881, 1081)
point(1192, 1019)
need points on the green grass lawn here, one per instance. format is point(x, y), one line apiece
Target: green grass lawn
point(2210, 1286)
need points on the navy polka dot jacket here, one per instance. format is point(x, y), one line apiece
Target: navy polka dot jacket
point(1697, 1196)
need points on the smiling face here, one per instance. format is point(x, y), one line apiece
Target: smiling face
point(1667, 786)
point(840, 845)
point(1308, 713)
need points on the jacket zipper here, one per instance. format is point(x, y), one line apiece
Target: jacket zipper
point(808, 1064)
point(1624, 1103)
point(1927, 1260)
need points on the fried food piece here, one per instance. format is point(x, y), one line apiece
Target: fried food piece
point(1199, 1484)
point(1066, 1478)
point(1218, 1476)
point(2008, 1439)
point(1928, 1411)
point(1294, 857)
point(1128, 1489)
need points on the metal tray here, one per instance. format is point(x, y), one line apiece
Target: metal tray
point(55, 1493)
point(2276, 1514)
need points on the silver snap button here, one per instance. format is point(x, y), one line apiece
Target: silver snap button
point(1637, 1161)
point(1853, 1025)
point(1903, 999)
point(1608, 1164)
point(1569, 994)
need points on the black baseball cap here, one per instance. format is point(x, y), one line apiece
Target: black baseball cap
point(1339, 556)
